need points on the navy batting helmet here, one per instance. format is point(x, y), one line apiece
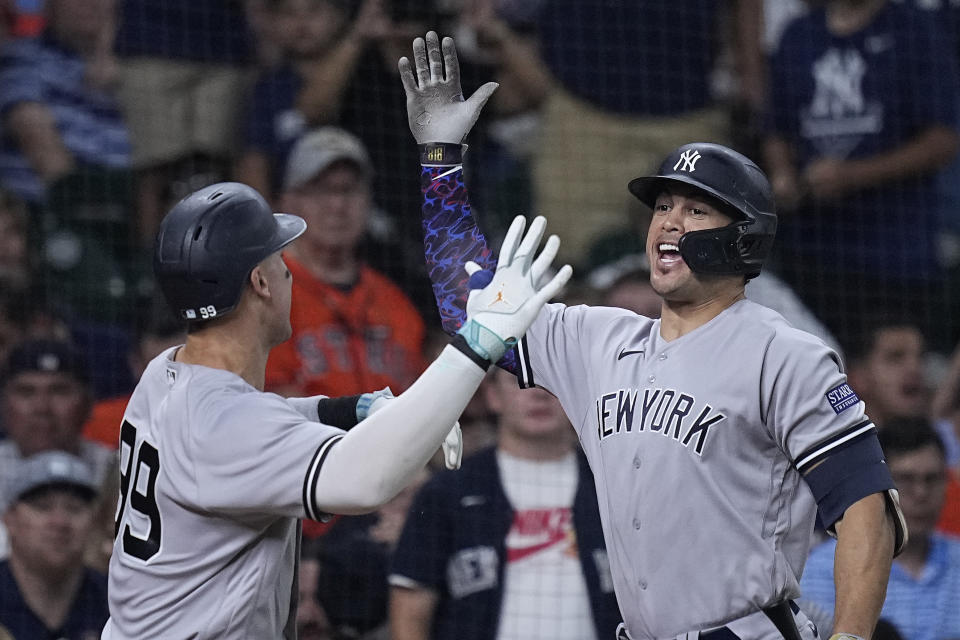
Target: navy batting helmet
point(740, 247)
point(210, 242)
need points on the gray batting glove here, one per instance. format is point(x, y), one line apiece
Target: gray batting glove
point(503, 305)
point(436, 109)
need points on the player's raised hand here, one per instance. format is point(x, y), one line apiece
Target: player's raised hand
point(436, 109)
point(502, 305)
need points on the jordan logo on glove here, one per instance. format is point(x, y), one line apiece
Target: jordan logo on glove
point(500, 298)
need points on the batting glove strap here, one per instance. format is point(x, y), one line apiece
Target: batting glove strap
point(462, 344)
point(845, 636)
point(442, 154)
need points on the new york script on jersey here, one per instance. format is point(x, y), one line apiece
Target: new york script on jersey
point(669, 412)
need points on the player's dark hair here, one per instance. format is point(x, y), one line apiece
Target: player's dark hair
point(899, 436)
point(199, 325)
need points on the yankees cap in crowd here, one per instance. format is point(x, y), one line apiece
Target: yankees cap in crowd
point(49, 469)
point(320, 148)
point(49, 356)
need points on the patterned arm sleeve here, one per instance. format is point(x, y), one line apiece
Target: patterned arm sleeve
point(451, 237)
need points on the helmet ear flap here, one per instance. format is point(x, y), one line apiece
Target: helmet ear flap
point(755, 245)
point(711, 251)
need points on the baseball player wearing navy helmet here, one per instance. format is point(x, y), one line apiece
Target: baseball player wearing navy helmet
point(718, 433)
point(215, 474)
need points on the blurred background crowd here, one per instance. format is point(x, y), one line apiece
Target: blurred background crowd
point(113, 110)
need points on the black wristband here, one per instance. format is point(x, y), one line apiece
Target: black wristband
point(460, 344)
point(339, 412)
point(441, 154)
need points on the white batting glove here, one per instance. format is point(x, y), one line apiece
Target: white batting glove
point(504, 304)
point(436, 109)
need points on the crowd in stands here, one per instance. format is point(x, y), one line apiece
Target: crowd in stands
point(112, 110)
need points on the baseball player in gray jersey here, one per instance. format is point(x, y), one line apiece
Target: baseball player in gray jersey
point(215, 473)
point(717, 433)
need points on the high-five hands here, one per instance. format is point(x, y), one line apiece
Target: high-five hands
point(436, 109)
point(502, 305)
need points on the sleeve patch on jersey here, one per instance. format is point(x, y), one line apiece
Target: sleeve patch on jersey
point(842, 397)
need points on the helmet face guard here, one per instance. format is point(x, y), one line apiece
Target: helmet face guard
point(729, 250)
point(739, 248)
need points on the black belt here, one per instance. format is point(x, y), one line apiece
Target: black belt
point(780, 614)
point(723, 633)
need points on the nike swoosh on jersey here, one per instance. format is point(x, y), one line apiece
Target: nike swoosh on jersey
point(623, 353)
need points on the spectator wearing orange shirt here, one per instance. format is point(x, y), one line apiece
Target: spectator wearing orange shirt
point(353, 329)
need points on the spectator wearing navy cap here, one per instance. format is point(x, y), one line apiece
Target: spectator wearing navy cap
point(45, 402)
point(45, 591)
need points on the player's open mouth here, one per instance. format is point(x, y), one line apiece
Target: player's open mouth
point(668, 253)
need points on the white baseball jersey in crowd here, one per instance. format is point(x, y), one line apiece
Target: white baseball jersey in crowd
point(698, 446)
point(214, 475)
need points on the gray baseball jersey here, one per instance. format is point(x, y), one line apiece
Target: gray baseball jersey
point(695, 445)
point(214, 475)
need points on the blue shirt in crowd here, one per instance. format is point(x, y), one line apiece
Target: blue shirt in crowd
point(214, 31)
point(273, 122)
point(642, 58)
point(924, 608)
point(373, 108)
point(854, 96)
point(88, 120)
point(84, 620)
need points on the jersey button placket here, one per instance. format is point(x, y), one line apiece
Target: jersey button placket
point(660, 358)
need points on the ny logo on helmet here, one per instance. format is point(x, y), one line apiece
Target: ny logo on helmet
point(688, 160)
